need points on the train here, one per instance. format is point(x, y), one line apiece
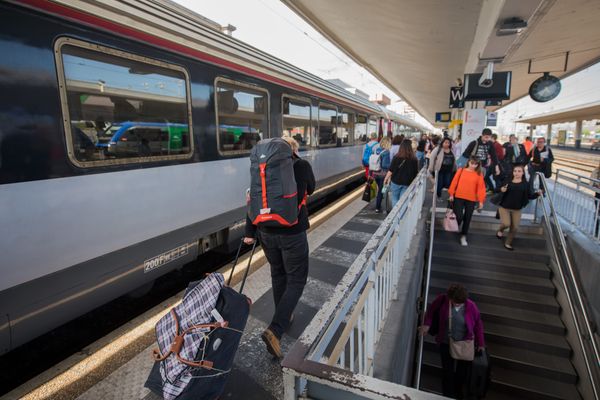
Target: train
point(125, 130)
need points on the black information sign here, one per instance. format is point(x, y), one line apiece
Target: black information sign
point(456, 97)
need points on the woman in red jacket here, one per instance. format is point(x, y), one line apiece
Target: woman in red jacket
point(465, 325)
point(466, 191)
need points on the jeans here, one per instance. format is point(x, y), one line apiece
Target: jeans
point(288, 257)
point(463, 209)
point(454, 373)
point(444, 180)
point(509, 219)
point(420, 158)
point(397, 191)
point(379, 199)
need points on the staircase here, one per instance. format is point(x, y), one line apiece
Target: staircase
point(524, 334)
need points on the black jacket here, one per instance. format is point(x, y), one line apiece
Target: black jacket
point(404, 171)
point(489, 149)
point(510, 155)
point(305, 182)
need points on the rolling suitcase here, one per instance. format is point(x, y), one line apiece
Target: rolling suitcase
point(198, 339)
point(480, 375)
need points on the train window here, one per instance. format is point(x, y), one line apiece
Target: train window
point(373, 126)
point(296, 120)
point(360, 129)
point(242, 115)
point(346, 127)
point(327, 125)
point(120, 108)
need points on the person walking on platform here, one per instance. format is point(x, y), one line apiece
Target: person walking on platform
point(421, 149)
point(369, 147)
point(396, 142)
point(286, 249)
point(515, 153)
point(457, 319)
point(467, 190)
point(542, 158)
point(383, 151)
point(515, 194)
point(596, 184)
point(443, 165)
point(483, 150)
point(528, 144)
point(403, 170)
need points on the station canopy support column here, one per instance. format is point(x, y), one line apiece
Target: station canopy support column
point(578, 126)
point(549, 133)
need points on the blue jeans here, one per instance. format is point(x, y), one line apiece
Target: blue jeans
point(397, 191)
point(444, 180)
point(379, 198)
point(420, 158)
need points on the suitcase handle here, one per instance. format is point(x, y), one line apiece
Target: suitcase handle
point(237, 256)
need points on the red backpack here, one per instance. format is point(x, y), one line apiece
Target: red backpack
point(273, 190)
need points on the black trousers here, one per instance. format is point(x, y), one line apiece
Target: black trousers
point(288, 257)
point(463, 209)
point(454, 372)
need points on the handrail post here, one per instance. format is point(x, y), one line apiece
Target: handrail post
point(427, 278)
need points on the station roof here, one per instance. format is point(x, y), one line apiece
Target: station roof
point(584, 112)
point(419, 49)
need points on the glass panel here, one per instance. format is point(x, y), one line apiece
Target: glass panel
point(360, 129)
point(122, 108)
point(373, 126)
point(327, 126)
point(242, 115)
point(346, 129)
point(296, 121)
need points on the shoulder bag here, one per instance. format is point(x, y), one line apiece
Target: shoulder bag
point(459, 349)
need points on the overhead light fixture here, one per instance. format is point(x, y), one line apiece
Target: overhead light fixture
point(511, 26)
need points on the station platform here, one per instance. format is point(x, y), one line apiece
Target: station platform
point(256, 375)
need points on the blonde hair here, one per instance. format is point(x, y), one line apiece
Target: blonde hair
point(292, 142)
point(385, 143)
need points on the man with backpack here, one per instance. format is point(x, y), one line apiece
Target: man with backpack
point(369, 147)
point(278, 218)
point(483, 150)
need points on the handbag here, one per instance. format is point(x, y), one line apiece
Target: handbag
point(459, 349)
point(461, 162)
point(367, 192)
point(450, 222)
point(497, 199)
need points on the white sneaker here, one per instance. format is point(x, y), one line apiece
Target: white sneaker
point(463, 240)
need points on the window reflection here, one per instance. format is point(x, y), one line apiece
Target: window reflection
point(296, 121)
point(346, 127)
point(327, 125)
point(360, 129)
point(242, 115)
point(121, 108)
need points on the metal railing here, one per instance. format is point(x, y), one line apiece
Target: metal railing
point(574, 199)
point(335, 355)
point(426, 283)
point(577, 307)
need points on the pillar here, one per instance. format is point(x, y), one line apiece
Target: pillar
point(578, 126)
point(549, 134)
point(531, 131)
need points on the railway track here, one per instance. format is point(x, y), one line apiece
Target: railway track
point(574, 164)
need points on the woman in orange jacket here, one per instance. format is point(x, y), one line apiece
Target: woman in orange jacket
point(466, 191)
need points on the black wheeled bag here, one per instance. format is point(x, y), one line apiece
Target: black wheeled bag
point(480, 375)
point(198, 359)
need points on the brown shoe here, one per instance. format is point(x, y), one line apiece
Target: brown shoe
point(272, 343)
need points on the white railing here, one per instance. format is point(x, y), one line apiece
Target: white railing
point(574, 199)
point(335, 355)
point(576, 305)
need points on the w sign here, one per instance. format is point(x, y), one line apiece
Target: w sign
point(456, 97)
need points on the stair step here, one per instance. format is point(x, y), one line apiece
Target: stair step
point(523, 244)
point(494, 249)
point(527, 339)
point(532, 386)
point(518, 359)
point(491, 224)
point(517, 384)
point(468, 275)
point(493, 264)
point(502, 296)
point(492, 312)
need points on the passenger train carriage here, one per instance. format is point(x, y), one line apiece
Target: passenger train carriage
point(125, 129)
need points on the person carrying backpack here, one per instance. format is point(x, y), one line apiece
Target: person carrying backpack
point(403, 170)
point(284, 242)
point(369, 147)
point(542, 158)
point(443, 165)
point(383, 156)
point(483, 150)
